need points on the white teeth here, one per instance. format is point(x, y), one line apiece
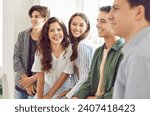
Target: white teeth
point(77, 32)
point(57, 37)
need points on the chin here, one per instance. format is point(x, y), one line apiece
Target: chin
point(100, 35)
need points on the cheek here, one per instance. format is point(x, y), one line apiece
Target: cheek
point(62, 35)
point(83, 30)
point(49, 35)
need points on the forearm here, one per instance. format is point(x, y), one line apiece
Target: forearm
point(57, 84)
point(40, 85)
point(106, 95)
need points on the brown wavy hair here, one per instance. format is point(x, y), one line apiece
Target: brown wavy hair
point(44, 46)
point(76, 41)
point(43, 10)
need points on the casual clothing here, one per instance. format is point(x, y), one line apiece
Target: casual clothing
point(22, 57)
point(32, 49)
point(59, 65)
point(21, 95)
point(82, 64)
point(101, 86)
point(89, 88)
point(133, 78)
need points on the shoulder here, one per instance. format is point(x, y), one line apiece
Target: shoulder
point(69, 48)
point(23, 35)
point(120, 43)
point(25, 32)
point(86, 44)
point(99, 49)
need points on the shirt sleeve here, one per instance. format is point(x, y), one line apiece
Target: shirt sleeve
point(17, 57)
point(85, 56)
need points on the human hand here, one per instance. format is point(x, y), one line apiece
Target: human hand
point(31, 90)
point(91, 97)
point(25, 82)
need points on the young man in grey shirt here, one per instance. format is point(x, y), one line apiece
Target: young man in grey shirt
point(131, 20)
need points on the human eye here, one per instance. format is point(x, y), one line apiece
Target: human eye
point(102, 21)
point(81, 25)
point(59, 29)
point(74, 24)
point(114, 8)
point(51, 30)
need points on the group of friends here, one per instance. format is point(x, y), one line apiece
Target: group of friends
point(51, 62)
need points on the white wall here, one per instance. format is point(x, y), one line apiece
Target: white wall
point(105, 2)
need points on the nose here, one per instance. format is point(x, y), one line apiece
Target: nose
point(110, 16)
point(56, 32)
point(77, 27)
point(98, 25)
point(32, 18)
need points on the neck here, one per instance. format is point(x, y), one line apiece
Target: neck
point(135, 30)
point(35, 33)
point(109, 41)
point(56, 48)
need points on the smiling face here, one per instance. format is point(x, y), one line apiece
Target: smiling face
point(78, 26)
point(103, 25)
point(122, 18)
point(55, 33)
point(37, 20)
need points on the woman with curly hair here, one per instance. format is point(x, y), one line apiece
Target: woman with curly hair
point(52, 60)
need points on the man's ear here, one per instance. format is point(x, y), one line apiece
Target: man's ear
point(140, 12)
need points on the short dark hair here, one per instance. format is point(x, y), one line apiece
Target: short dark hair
point(145, 3)
point(43, 10)
point(105, 9)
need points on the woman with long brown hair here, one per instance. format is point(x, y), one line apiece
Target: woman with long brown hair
point(79, 27)
point(52, 60)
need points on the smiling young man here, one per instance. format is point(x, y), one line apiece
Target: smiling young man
point(104, 63)
point(131, 20)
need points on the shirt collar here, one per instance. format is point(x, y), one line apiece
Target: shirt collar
point(120, 42)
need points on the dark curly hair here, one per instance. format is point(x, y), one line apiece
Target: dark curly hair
point(75, 41)
point(44, 46)
point(43, 10)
